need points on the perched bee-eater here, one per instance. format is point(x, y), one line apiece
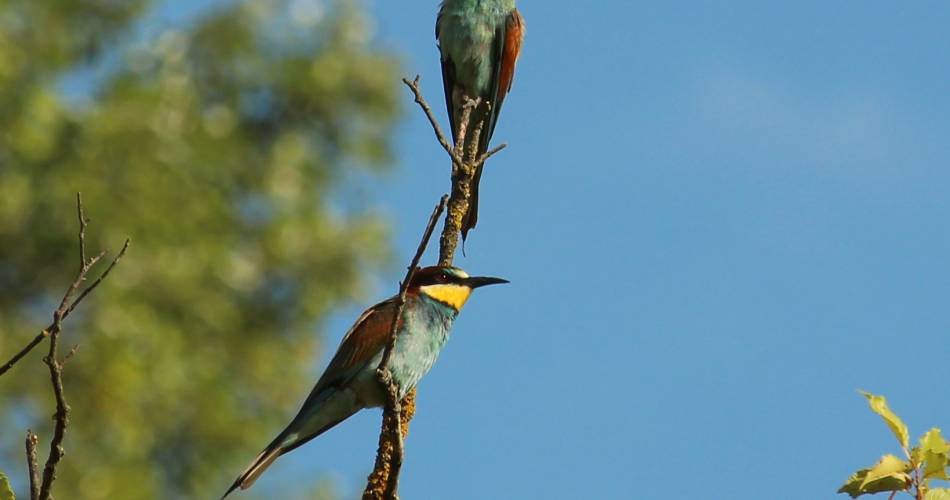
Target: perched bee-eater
point(433, 300)
point(479, 41)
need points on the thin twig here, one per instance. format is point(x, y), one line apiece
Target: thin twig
point(83, 221)
point(491, 152)
point(384, 481)
point(23, 352)
point(70, 354)
point(63, 311)
point(31, 441)
point(414, 87)
point(83, 271)
point(101, 277)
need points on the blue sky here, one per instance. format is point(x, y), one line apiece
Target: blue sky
point(719, 222)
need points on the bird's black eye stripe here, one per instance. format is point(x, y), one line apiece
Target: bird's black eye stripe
point(432, 276)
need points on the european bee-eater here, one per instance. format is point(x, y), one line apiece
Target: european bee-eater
point(480, 41)
point(433, 300)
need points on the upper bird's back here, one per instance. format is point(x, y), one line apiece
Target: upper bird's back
point(466, 30)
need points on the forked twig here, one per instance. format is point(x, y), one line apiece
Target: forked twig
point(42, 489)
point(64, 310)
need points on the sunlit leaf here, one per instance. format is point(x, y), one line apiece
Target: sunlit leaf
point(934, 450)
point(887, 466)
point(879, 405)
point(853, 485)
point(932, 441)
point(935, 466)
point(856, 485)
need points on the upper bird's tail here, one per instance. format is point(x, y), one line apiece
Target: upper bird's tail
point(485, 114)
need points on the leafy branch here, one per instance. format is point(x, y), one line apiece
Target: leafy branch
point(911, 474)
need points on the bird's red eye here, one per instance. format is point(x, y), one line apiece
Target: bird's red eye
point(442, 277)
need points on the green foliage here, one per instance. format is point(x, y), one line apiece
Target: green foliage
point(858, 483)
point(893, 474)
point(933, 454)
point(6, 493)
point(217, 147)
point(888, 467)
point(879, 406)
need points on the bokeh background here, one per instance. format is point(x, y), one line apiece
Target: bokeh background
point(719, 222)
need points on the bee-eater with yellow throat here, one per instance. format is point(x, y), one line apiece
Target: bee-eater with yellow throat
point(433, 300)
point(480, 41)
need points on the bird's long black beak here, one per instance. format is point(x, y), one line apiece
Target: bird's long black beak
point(477, 281)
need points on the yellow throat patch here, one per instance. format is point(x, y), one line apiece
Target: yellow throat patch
point(450, 294)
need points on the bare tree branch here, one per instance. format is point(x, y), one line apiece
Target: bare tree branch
point(467, 109)
point(491, 152)
point(42, 490)
point(65, 306)
point(83, 222)
point(31, 441)
point(470, 155)
point(61, 417)
point(23, 352)
point(449, 148)
point(383, 483)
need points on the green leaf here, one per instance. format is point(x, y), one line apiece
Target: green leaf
point(858, 484)
point(934, 450)
point(934, 442)
point(853, 485)
point(887, 466)
point(6, 493)
point(935, 467)
point(938, 494)
point(879, 405)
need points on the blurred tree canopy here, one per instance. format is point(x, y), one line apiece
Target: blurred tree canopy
point(216, 147)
